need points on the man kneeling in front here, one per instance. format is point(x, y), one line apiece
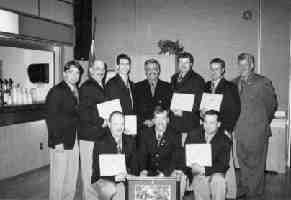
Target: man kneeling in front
point(114, 141)
point(209, 182)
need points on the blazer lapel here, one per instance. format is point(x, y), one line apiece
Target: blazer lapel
point(69, 91)
point(220, 87)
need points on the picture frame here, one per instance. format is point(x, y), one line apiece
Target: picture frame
point(152, 188)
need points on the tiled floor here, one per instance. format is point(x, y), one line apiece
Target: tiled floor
point(34, 186)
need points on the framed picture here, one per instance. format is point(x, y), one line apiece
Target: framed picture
point(152, 188)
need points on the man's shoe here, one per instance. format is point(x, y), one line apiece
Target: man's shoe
point(242, 192)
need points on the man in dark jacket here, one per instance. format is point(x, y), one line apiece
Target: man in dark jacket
point(92, 92)
point(63, 122)
point(209, 182)
point(188, 82)
point(158, 146)
point(230, 105)
point(120, 87)
point(150, 93)
point(114, 141)
point(258, 105)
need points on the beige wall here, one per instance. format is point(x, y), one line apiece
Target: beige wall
point(206, 28)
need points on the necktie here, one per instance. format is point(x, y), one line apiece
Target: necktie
point(75, 93)
point(153, 87)
point(180, 77)
point(119, 148)
point(159, 137)
point(212, 87)
point(242, 85)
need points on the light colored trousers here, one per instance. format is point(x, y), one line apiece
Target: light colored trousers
point(209, 187)
point(64, 168)
point(86, 155)
point(231, 185)
point(108, 190)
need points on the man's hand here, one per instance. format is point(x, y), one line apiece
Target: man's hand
point(149, 123)
point(197, 169)
point(120, 177)
point(143, 173)
point(178, 113)
point(59, 148)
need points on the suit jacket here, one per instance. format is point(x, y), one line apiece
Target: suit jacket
point(116, 89)
point(144, 101)
point(258, 105)
point(220, 147)
point(156, 157)
point(107, 145)
point(230, 105)
point(91, 94)
point(192, 83)
point(62, 116)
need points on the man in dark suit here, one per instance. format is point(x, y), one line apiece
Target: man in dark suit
point(92, 92)
point(63, 122)
point(120, 87)
point(209, 182)
point(150, 93)
point(159, 148)
point(114, 141)
point(188, 82)
point(258, 105)
point(230, 106)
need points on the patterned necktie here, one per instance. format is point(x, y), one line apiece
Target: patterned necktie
point(242, 85)
point(180, 78)
point(159, 137)
point(153, 87)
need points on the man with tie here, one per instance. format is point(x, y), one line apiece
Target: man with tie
point(229, 111)
point(188, 82)
point(114, 141)
point(158, 146)
point(230, 105)
point(63, 123)
point(159, 149)
point(92, 92)
point(252, 131)
point(150, 93)
point(120, 87)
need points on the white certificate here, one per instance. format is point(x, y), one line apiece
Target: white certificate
point(182, 102)
point(130, 124)
point(111, 164)
point(211, 101)
point(107, 107)
point(199, 154)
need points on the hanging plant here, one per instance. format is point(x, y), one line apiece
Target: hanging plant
point(170, 47)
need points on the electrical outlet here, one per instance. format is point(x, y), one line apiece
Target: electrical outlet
point(41, 146)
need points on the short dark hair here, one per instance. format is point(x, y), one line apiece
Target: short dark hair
point(159, 110)
point(246, 56)
point(219, 61)
point(186, 55)
point(122, 56)
point(115, 113)
point(212, 112)
point(73, 63)
point(153, 61)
